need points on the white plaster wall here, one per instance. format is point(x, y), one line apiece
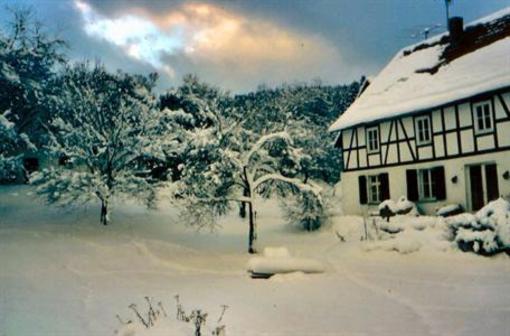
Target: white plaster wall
point(385, 130)
point(439, 145)
point(436, 121)
point(362, 158)
point(346, 138)
point(425, 152)
point(500, 112)
point(504, 133)
point(449, 118)
point(361, 136)
point(465, 118)
point(485, 142)
point(451, 144)
point(468, 145)
point(409, 126)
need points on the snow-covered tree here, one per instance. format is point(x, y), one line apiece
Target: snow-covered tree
point(29, 60)
point(192, 103)
point(306, 111)
point(106, 133)
point(226, 163)
point(11, 145)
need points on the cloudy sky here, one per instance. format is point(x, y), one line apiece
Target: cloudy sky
point(239, 44)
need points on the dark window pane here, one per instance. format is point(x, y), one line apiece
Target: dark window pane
point(480, 124)
point(412, 185)
point(475, 179)
point(362, 183)
point(491, 177)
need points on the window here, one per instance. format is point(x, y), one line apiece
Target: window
point(483, 117)
point(373, 139)
point(426, 184)
point(423, 130)
point(374, 189)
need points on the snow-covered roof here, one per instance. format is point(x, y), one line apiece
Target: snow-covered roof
point(436, 72)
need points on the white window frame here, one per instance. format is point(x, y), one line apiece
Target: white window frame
point(370, 141)
point(485, 107)
point(420, 133)
point(374, 181)
point(424, 188)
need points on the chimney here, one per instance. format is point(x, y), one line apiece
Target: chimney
point(456, 28)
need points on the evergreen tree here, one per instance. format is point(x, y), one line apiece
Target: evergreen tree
point(29, 59)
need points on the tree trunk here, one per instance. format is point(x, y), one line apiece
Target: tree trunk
point(247, 192)
point(242, 206)
point(105, 216)
point(251, 234)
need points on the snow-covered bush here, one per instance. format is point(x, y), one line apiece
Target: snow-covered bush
point(306, 210)
point(487, 232)
point(450, 210)
point(403, 206)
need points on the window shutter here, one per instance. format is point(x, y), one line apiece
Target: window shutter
point(412, 185)
point(491, 177)
point(439, 182)
point(385, 186)
point(362, 181)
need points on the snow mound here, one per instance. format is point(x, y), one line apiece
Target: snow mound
point(348, 228)
point(163, 327)
point(411, 240)
point(278, 261)
point(286, 277)
point(276, 252)
point(408, 234)
point(401, 222)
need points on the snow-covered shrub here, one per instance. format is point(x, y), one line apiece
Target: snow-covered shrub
point(487, 232)
point(306, 210)
point(450, 210)
point(403, 206)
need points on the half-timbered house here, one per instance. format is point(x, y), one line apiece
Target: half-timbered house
point(434, 125)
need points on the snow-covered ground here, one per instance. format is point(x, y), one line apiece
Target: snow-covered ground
point(61, 273)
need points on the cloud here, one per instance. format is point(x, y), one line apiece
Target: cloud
point(219, 45)
point(137, 36)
